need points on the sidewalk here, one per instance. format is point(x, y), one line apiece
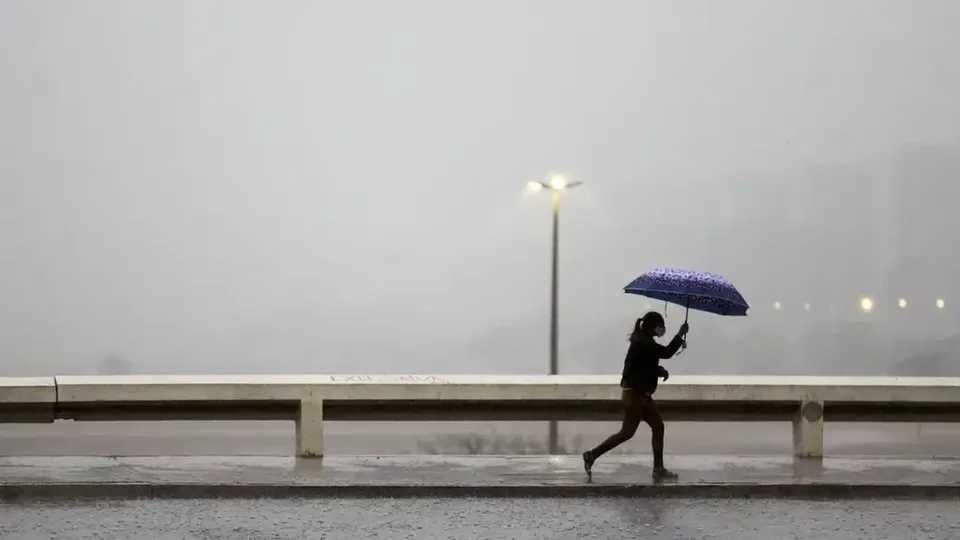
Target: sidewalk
point(449, 476)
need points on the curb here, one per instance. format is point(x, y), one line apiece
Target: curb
point(68, 491)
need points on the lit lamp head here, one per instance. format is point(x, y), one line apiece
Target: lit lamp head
point(556, 184)
point(940, 303)
point(866, 305)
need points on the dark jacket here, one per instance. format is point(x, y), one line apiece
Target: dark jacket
point(641, 367)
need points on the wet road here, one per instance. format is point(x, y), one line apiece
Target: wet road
point(522, 519)
point(209, 477)
point(380, 438)
point(456, 518)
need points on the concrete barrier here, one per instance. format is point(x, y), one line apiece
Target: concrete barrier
point(27, 399)
point(309, 400)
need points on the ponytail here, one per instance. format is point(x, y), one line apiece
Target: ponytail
point(649, 321)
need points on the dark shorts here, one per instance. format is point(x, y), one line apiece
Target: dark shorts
point(635, 401)
point(632, 393)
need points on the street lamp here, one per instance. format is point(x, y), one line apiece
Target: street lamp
point(866, 304)
point(555, 186)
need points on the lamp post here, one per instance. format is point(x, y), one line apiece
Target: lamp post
point(555, 186)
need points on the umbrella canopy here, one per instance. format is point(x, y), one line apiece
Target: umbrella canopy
point(700, 291)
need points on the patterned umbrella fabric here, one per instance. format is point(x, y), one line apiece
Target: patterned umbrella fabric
point(700, 291)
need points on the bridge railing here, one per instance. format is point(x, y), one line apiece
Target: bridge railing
point(311, 400)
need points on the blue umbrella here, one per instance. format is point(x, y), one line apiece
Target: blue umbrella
point(701, 291)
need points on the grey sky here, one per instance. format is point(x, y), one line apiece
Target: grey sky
point(178, 177)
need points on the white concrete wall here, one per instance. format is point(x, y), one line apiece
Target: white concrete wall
point(27, 390)
point(102, 389)
point(186, 388)
point(807, 394)
point(27, 400)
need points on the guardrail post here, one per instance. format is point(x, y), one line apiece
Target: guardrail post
point(310, 429)
point(808, 430)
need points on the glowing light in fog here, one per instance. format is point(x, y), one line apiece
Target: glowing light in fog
point(534, 187)
point(559, 183)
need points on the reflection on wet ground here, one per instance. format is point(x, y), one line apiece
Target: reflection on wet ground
point(454, 519)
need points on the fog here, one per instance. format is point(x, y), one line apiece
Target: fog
point(329, 187)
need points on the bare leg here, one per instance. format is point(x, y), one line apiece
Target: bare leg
point(634, 404)
point(651, 415)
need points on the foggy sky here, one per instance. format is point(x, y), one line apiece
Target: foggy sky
point(338, 186)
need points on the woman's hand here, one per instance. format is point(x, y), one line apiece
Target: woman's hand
point(663, 373)
point(684, 328)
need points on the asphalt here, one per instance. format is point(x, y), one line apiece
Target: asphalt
point(439, 476)
point(485, 518)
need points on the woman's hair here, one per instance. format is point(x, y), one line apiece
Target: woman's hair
point(647, 324)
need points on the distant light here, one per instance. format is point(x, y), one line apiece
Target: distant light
point(776, 305)
point(902, 302)
point(558, 183)
point(806, 307)
point(647, 306)
point(940, 303)
point(866, 305)
point(534, 187)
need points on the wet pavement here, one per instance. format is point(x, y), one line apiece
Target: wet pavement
point(494, 519)
point(177, 438)
point(426, 476)
point(454, 498)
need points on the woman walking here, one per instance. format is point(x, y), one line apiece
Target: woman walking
point(641, 371)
